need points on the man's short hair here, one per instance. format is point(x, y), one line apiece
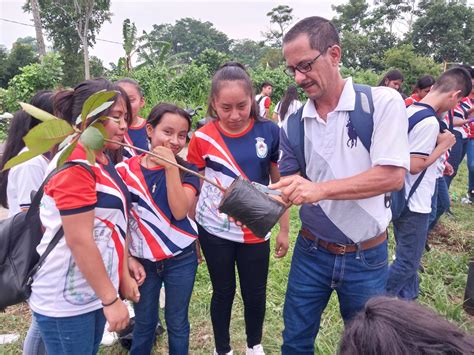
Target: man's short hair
point(453, 80)
point(321, 33)
point(265, 84)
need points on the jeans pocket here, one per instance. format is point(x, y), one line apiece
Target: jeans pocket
point(375, 258)
point(306, 245)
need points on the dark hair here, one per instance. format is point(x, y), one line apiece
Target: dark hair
point(131, 82)
point(321, 33)
point(424, 82)
point(290, 95)
point(454, 79)
point(68, 105)
point(469, 69)
point(265, 84)
point(393, 326)
point(232, 71)
point(20, 124)
point(391, 75)
point(157, 113)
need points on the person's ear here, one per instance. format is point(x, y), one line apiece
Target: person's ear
point(149, 130)
point(335, 53)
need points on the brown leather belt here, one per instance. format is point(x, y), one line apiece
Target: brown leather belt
point(340, 249)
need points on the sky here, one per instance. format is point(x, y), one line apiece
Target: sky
point(238, 19)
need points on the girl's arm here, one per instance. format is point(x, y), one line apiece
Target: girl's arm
point(78, 233)
point(282, 243)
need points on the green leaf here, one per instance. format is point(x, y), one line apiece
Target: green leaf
point(45, 135)
point(92, 138)
point(101, 129)
point(66, 153)
point(90, 155)
point(21, 158)
point(37, 112)
point(94, 104)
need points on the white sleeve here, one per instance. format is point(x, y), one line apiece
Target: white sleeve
point(422, 138)
point(27, 177)
point(389, 139)
point(277, 108)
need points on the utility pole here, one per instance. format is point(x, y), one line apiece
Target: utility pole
point(38, 29)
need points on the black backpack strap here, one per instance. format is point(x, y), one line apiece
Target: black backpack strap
point(451, 120)
point(260, 99)
point(295, 134)
point(59, 234)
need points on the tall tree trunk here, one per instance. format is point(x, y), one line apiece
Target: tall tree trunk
point(38, 29)
point(85, 50)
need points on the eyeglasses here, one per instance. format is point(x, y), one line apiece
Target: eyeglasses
point(303, 67)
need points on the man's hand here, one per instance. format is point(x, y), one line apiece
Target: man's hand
point(448, 169)
point(136, 270)
point(298, 190)
point(281, 244)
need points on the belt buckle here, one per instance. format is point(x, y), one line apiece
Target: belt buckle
point(341, 249)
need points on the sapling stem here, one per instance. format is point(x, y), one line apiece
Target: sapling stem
point(169, 162)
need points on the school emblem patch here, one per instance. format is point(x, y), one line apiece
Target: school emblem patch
point(261, 147)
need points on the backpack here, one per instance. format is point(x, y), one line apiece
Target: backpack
point(398, 201)
point(361, 120)
point(19, 237)
point(258, 104)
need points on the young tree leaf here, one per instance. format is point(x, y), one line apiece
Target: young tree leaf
point(66, 153)
point(47, 134)
point(94, 103)
point(101, 108)
point(21, 158)
point(90, 155)
point(68, 140)
point(101, 128)
point(37, 112)
point(92, 138)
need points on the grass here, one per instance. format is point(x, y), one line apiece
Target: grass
point(442, 289)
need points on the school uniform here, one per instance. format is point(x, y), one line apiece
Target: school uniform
point(411, 229)
point(65, 305)
point(166, 249)
point(223, 157)
point(136, 136)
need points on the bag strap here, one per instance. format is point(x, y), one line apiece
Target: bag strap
point(451, 120)
point(260, 99)
point(295, 134)
point(362, 115)
point(59, 234)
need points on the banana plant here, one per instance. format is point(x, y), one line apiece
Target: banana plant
point(54, 131)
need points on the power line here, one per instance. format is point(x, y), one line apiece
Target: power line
point(30, 25)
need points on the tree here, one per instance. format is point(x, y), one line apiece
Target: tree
point(247, 52)
point(73, 24)
point(389, 11)
point(352, 16)
point(21, 54)
point(282, 17)
point(212, 59)
point(444, 31)
point(130, 42)
point(38, 29)
point(189, 36)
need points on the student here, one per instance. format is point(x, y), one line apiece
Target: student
point(263, 99)
point(163, 238)
point(76, 289)
point(427, 145)
point(287, 106)
point(397, 327)
point(17, 184)
point(136, 134)
point(393, 79)
point(422, 88)
point(236, 142)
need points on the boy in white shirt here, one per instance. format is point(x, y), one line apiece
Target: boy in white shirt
point(427, 145)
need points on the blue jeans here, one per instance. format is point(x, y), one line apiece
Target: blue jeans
point(470, 163)
point(440, 202)
point(79, 335)
point(410, 230)
point(458, 151)
point(314, 274)
point(34, 344)
point(177, 274)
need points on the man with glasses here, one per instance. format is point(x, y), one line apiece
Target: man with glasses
point(342, 245)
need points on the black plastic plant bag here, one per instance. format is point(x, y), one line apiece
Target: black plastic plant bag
point(258, 211)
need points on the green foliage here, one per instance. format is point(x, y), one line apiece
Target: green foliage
point(444, 31)
point(212, 59)
point(247, 52)
point(22, 54)
point(411, 64)
point(38, 76)
point(130, 41)
point(277, 77)
point(281, 16)
point(362, 76)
